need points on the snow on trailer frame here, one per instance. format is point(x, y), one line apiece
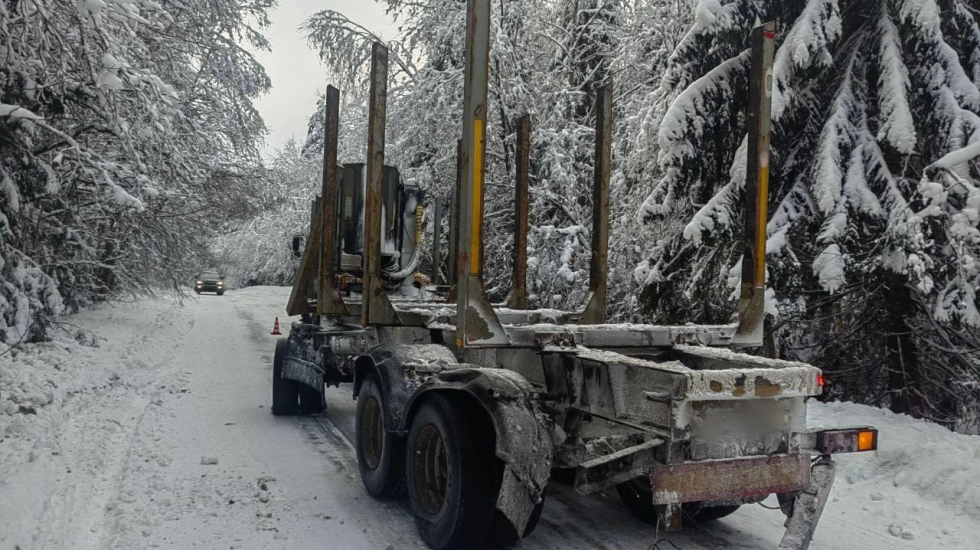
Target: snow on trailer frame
point(470, 407)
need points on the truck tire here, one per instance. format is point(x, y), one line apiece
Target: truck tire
point(699, 514)
point(220, 293)
point(637, 495)
point(285, 393)
point(310, 400)
point(380, 453)
point(450, 485)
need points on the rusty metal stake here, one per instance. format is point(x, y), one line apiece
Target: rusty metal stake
point(517, 299)
point(329, 301)
point(595, 305)
point(476, 321)
point(376, 309)
point(751, 305)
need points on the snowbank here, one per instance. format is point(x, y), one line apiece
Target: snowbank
point(918, 467)
point(66, 406)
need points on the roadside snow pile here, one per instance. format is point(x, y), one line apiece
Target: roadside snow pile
point(67, 405)
point(916, 462)
point(35, 382)
point(40, 384)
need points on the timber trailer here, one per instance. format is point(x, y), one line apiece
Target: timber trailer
point(468, 407)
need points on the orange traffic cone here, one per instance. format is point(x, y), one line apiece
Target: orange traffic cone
point(275, 328)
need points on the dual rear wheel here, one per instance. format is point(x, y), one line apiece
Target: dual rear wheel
point(446, 465)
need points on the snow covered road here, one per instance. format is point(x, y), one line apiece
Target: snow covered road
point(161, 437)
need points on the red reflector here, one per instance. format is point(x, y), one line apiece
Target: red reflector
point(820, 379)
point(769, 34)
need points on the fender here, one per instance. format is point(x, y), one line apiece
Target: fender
point(401, 369)
point(523, 433)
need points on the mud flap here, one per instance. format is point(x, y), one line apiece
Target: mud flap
point(807, 506)
point(302, 363)
point(515, 501)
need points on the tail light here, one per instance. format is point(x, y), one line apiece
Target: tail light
point(847, 440)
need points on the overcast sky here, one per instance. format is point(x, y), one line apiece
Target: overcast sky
point(295, 69)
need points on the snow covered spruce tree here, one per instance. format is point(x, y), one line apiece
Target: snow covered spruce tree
point(873, 201)
point(123, 125)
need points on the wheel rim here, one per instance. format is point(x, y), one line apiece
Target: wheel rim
point(372, 433)
point(431, 470)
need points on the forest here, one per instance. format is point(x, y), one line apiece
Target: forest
point(129, 156)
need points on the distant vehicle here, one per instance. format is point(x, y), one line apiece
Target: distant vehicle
point(210, 281)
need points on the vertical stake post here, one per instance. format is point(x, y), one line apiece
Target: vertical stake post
point(311, 289)
point(329, 301)
point(376, 309)
point(595, 305)
point(476, 321)
point(436, 240)
point(517, 299)
point(452, 269)
point(752, 305)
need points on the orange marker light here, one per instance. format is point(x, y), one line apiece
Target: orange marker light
point(866, 441)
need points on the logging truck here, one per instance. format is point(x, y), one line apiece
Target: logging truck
point(469, 406)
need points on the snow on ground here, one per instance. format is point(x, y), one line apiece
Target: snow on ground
point(919, 468)
point(151, 429)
